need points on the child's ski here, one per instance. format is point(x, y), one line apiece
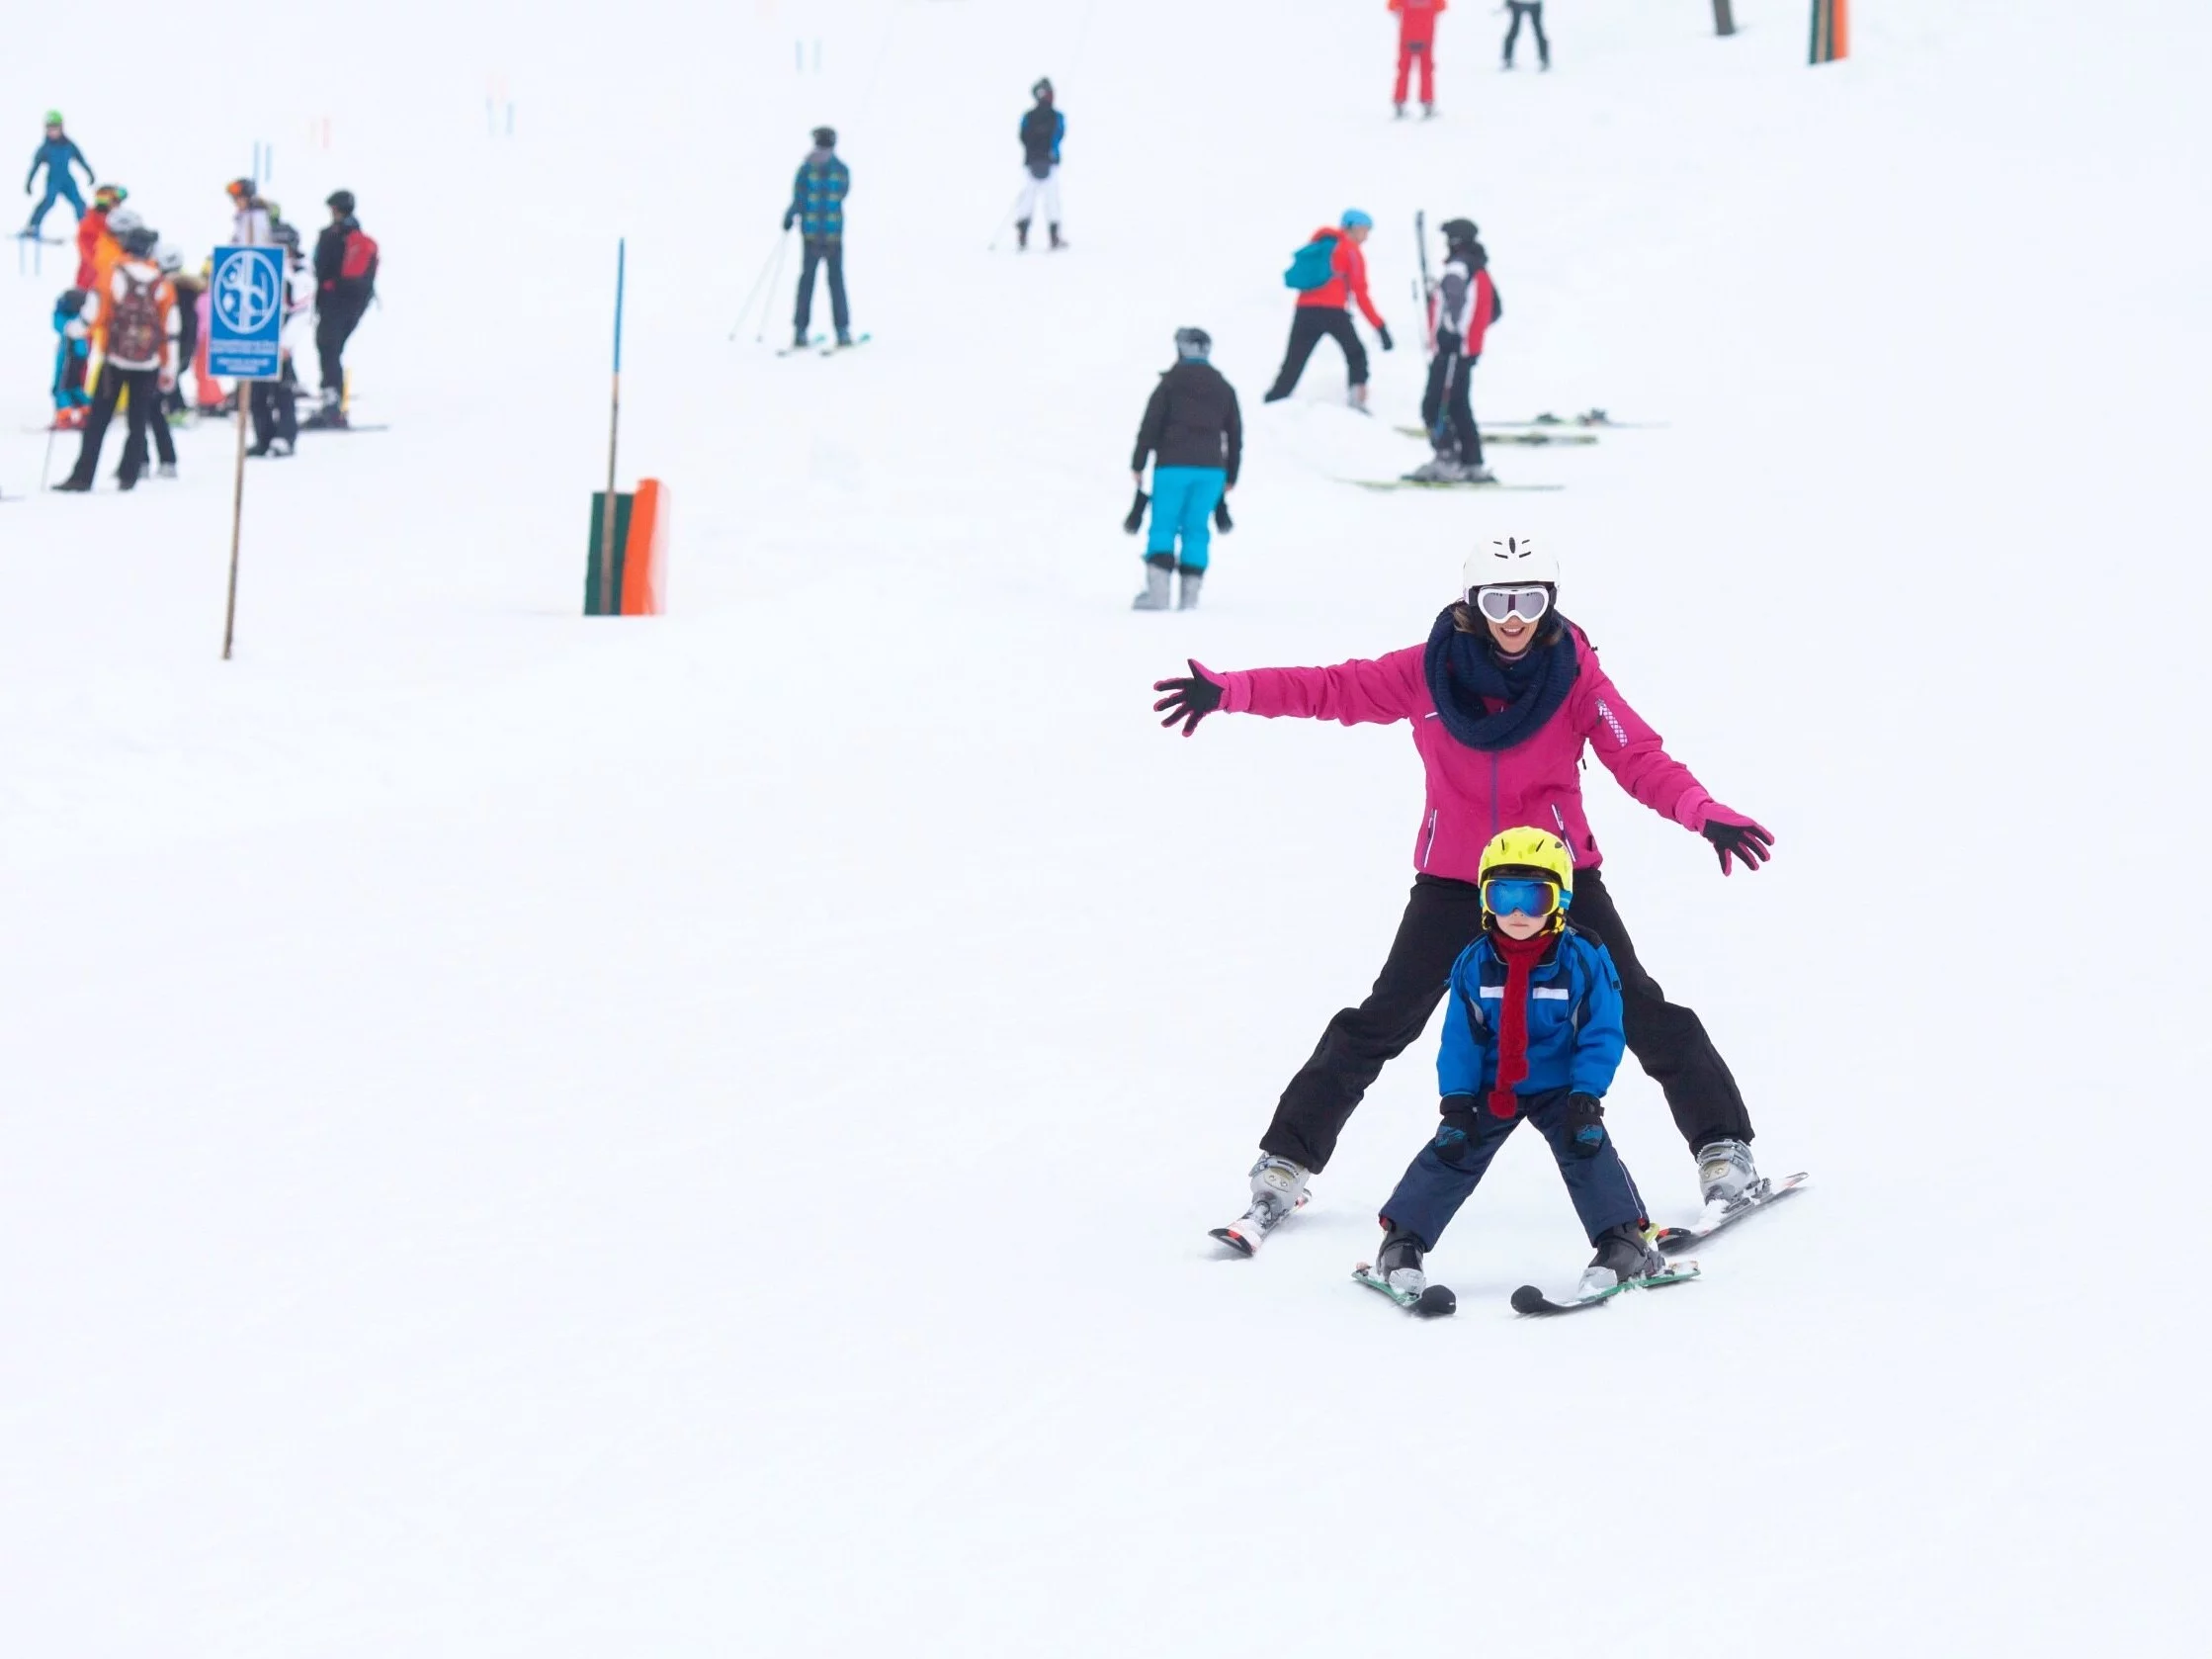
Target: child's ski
point(1673, 1239)
point(1418, 483)
point(1433, 1303)
point(1244, 1236)
point(834, 347)
point(1533, 1302)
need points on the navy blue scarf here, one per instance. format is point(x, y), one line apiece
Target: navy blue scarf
point(1463, 670)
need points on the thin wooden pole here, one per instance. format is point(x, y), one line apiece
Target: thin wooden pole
point(237, 513)
point(614, 431)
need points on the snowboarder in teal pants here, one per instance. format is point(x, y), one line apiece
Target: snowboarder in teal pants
point(1193, 427)
point(56, 155)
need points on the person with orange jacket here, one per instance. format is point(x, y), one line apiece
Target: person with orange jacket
point(93, 233)
point(1416, 38)
point(1322, 307)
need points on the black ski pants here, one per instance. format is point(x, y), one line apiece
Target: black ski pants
point(144, 386)
point(1442, 918)
point(1533, 10)
point(826, 251)
point(335, 322)
point(1309, 324)
point(274, 414)
point(1450, 373)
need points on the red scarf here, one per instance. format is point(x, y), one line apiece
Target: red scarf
point(1520, 956)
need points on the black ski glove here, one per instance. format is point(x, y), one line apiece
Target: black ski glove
point(1222, 520)
point(1383, 333)
point(1735, 837)
point(1188, 700)
point(1585, 1124)
point(1136, 519)
point(787, 222)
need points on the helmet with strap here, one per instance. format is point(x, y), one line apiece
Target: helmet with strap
point(1530, 854)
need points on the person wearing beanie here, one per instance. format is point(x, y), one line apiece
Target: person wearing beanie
point(1532, 1030)
point(1194, 436)
point(1041, 129)
point(345, 268)
point(1503, 700)
point(1417, 42)
point(817, 207)
point(1330, 273)
point(57, 154)
point(1461, 309)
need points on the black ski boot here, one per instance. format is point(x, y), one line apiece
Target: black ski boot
point(1399, 1263)
point(1021, 233)
point(1623, 1254)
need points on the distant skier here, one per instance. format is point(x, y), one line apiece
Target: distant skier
point(275, 404)
point(93, 233)
point(1330, 273)
point(345, 282)
point(1042, 129)
point(817, 207)
point(1194, 436)
point(189, 289)
point(131, 317)
point(1532, 1030)
point(251, 225)
point(58, 155)
point(1533, 12)
point(72, 357)
point(1417, 42)
point(1502, 699)
point(1461, 309)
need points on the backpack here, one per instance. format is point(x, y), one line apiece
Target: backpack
point(134, 332)
point(360, 259)
point(1313, 266)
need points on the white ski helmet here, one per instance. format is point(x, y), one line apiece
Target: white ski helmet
point(123, 221)
point(169, 257)
point(1504, 560)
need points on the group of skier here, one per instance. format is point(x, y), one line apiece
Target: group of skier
point(134, 319)
point(1416, 45)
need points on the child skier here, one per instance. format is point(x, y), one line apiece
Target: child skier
point(94, 235)
point(1417, 39)
point(72, 353)
point(1193, 428)
point(1460, 313)
point(58, 155)
point(1532, 1028)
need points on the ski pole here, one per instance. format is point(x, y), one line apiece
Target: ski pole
point(1006, 219)
point(46, 465)
point(782, 242)
point(759, 283)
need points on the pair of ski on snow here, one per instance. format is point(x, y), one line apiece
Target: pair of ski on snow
point(1437, 1300)
point(824, 345)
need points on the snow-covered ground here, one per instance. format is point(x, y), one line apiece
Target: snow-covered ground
point(526, 1137)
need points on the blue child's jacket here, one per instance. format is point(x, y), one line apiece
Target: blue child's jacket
point(1574, 1038)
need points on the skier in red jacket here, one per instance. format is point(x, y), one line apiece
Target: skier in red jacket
point(1323, 310)
point(1416, 38)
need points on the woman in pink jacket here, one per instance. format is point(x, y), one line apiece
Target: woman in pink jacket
point(1502, 699)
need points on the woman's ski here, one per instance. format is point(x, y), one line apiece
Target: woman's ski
point(1673, 1239)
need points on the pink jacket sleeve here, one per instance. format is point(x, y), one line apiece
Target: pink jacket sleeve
point(1362, 692)
point(1632, 751)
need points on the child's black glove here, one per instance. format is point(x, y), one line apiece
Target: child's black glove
point(1585, 1124)
point(1136, 519)
point(1188, 701)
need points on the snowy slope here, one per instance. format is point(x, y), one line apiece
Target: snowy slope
point(526, 1137)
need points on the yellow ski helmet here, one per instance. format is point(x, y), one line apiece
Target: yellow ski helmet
point(1530, 854)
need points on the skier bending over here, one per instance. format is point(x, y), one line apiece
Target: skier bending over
point(1459, 312)
point(1503, 698)
point(58, 155)
point(1192, 425)
point(1338, 276)
point(1532, 1030)
point(817, 207)
point(1041, 129)
point(1417, 39)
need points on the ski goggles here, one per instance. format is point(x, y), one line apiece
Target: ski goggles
point(1509, 895)
point(1498, 603)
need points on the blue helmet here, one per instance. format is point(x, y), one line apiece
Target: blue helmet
point(1354, 219)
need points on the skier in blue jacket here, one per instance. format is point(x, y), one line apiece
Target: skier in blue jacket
point(817, 207)
point(1532, 1028)
point(56, 155)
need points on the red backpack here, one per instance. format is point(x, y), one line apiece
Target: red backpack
point(360, 258)
point(136, 336)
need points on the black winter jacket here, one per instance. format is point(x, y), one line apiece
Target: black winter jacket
point(1192, 420)
point(331, 263)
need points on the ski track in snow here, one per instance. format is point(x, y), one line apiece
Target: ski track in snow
point(532, 1138)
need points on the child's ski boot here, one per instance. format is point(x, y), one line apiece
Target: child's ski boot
point(1623, 1254)
point(1399, 1263)
point(1278, 1188)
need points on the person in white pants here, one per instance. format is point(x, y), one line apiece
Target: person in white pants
point(1042, 129)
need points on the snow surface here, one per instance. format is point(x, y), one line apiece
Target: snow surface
point(535, 1137)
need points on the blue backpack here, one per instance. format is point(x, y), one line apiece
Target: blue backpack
point(1311, 266)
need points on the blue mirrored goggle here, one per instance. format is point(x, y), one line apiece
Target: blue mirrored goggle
point(1511, 894)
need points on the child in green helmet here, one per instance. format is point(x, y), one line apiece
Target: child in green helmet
point(58, 155)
